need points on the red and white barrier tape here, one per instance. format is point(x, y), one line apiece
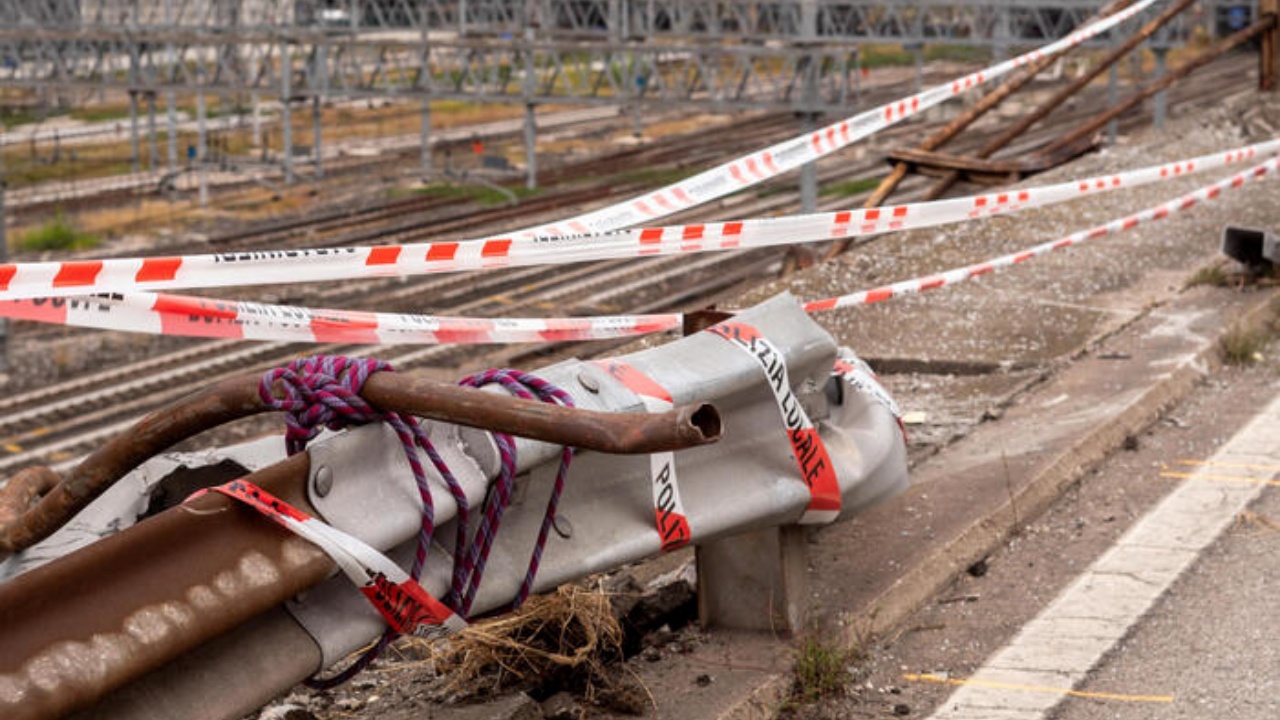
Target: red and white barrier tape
point(859, 374)
point(203, 317)
point(791, 154)
point(404, 604)
point(810, 453)
point(211, 318)
point(144, 274)
point(968, 272)
point(78, 278)
point(139, 312)
point(670, 518)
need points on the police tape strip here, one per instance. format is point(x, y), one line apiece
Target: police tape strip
point(810, 453)
point(968, 272)
point(791, 154)
point(405, 605)
point(204, 317)
point(185, 316)
point(290, 266)
point(670, 519)
point(854, 370)
point(77, 278)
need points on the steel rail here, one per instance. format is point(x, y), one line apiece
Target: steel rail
point(1023, 124)
point(970, 116)
point(987, 103)
point(1211, 53)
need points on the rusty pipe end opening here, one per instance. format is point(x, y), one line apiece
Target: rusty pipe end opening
point(704, 420)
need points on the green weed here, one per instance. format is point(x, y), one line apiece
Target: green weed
point(58, 234)
point(821, 667)
point(1210, 275)
point(1242, 345)
point(850, 188)
point(463, 193)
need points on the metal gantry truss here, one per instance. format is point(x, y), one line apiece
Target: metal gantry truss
point(796, 54)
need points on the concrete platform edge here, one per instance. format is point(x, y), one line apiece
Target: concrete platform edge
point(917, 584)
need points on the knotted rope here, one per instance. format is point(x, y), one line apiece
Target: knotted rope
point(324, 392)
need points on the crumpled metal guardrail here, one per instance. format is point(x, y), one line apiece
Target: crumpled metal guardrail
point(64, 651)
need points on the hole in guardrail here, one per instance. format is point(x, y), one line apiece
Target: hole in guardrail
point(178, 485)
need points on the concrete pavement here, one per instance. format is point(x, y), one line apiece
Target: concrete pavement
point(1145, 591)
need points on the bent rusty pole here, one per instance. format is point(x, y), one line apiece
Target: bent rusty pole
point(960, 123)
point(23, 490)
point(1269, 52)
point(1017, 129)
point(237, 397)
point(80, 627)
point(1210, 54)
point(982, 107)
point(988, 102)
point(964, 120)
point(619, 433)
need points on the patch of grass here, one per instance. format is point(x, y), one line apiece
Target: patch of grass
point(473, 193)
point(656, 176)
point(99, 114)
point(12, 117)
point(957, 53)
point(567, 640)
point(851, 188)
point(821, 667)
point(1242, 345)
point(58, 234)
point(1211, 275)
point(877, 56)
point(29, 173)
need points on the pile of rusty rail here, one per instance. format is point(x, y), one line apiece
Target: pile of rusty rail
point(981, 167)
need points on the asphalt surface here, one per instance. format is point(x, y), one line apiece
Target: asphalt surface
point(1214, 643)
point(1209, 647)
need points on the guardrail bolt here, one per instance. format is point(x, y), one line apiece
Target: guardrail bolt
point(562, 526)
point(323, 482)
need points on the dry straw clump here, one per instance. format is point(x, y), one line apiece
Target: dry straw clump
point(567, 638)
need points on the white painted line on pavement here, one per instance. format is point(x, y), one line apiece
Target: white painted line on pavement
point(1062, 644)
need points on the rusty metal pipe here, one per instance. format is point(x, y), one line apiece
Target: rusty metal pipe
point(88, 623)
point(619, 433)
point(237, 397)
point(1210, 54)
point(1022, 125)
point(260, 659)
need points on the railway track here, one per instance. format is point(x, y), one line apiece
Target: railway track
point(58, 422)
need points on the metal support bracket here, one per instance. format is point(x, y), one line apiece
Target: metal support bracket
point(1257, 250)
